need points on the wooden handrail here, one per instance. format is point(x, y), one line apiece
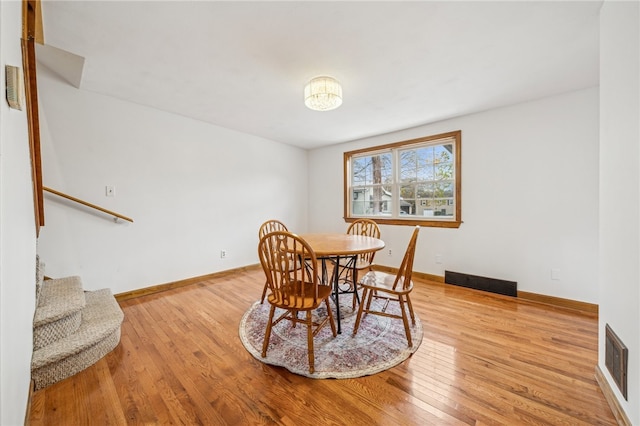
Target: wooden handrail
point(84, 203)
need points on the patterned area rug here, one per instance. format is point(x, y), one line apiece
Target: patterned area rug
point(379, 345)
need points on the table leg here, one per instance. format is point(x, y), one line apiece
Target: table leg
point(354, 276)
point(324, 270)
point(336, 278)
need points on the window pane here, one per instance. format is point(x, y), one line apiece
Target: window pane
point(358, 171)
point(443, 189)
point(359, 202)
point(371, 200)
point(442, 208)
point(408, 191)
point(424, 190)
point(443, 159)
point(407, 207)
point(369, 170)
point(425, 171)
point(408, 166)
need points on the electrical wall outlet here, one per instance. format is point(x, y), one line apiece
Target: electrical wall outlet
point(390, 252)
point(110, 191)
point(223, 254)
point(438, 258)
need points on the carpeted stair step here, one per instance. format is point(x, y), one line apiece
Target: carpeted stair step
point(98, 334)
point(59, 310)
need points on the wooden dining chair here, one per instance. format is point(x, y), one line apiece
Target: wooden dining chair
point(269, 226)
point(392, 288)
point(286, 258)
point(351, 267)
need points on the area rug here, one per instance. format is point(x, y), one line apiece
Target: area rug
point(379, 345)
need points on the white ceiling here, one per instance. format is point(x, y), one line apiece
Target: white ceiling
point(243, 65)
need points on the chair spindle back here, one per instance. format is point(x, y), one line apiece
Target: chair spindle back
point(288, 262)
point(405, 271)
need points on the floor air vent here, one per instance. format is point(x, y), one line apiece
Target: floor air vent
point(615, 358)
point(493, 285)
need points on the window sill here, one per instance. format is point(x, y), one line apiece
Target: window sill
point(410, 222)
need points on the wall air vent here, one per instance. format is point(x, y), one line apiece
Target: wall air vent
point(615, 358)
point(492, 285)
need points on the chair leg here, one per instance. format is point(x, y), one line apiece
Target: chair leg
point(360, 309)
point(267, 334)
point(370, 298)
point(355, 289)
point(405, 320)
point(413, 317)
point(331, 321)
point(310, 342)
point(264, 292)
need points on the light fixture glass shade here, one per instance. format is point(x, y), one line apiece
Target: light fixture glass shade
point(323, 94)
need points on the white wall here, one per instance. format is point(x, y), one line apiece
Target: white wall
point(529, 197)
point(619, 279)
point(17, 235)
point(192, 189)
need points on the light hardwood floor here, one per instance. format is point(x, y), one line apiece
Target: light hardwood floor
point(484, 360)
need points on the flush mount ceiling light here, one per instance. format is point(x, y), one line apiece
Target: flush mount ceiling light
point(323, 94)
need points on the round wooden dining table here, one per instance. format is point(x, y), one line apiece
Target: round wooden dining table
point(334, 246)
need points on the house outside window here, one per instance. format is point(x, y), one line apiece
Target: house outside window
point(414, 182)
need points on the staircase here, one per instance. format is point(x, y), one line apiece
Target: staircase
point(72, 328)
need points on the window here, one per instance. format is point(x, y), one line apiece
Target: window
point(414, 182)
